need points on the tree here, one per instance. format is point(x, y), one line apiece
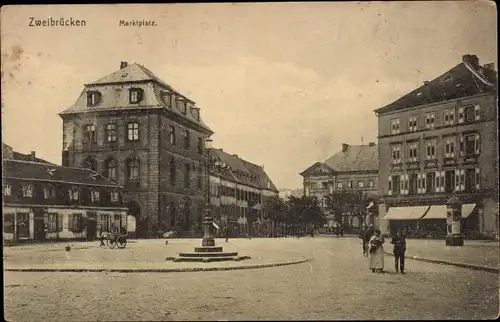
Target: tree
point(305, 211)
point(353, 202)
point(275, 209)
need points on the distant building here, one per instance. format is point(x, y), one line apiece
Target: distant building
point(238, 192)
point(9, 153)
point(285, 193)
point(43, 201)
point(438, 141)
point(354, 168)
point(138, 131)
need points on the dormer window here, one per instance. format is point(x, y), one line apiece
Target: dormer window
point(115, 196)
point(94, 196)
point(28, 191)
point(7, 189)
point(49, 193)
point(74, 194)
point(135, 95)
point(93, 98)
point(181, 105)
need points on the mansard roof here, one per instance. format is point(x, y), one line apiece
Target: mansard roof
point(355, 158)
point(465, 79)
point(25, 170)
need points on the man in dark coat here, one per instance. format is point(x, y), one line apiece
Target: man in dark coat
point(399, 241)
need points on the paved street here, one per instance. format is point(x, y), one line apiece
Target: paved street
point(335, 285)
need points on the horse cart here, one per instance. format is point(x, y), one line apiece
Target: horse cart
point(113, 239)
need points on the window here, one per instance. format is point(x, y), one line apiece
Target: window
point(182, 106)
point(94, 196)
point(93, 98)
point(371, 184)
point(111, 132)
point(200, 145)
point(74, 194)
point(171, 134)
point(187, 139)
point(395, 128)
point(472, 144)
point(54, 223)
point(413, 152)
point(349, 184)
point(115, 196)
point(133, 131)
point(430, 150)
point(449, 117)
point(111, 166)
point(312, 185)
point(430, 119)
point(431, 182)
point(403, 182)
point(133, 169)
point(477, 112)
point(361, 184)
point(470, 179)
point(90, 136)
point(186, 175)
point(461, 116)
point(412, 124)
point(173, 172)
point(469, 113)
point(135, 95)
point(28, 191)
point(449, 148)
point(412, 184)
point(449, 180)
point(200, 178)
point(75, 222)
point(421, 183)
point(394, 185)
point(339, 185)
point(103, 223)
point(7, 189)
point(396, 154)
point(49, 193)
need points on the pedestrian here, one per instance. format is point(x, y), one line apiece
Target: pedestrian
point(102, 239)
point(226, 233)
point(376, 249)
point(399, 242)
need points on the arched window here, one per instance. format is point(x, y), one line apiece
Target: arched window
point(187, 175)
point(111, 169)
point(133, 169)
point(172, 172)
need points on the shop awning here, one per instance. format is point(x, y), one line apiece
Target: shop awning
point(436, 212)
point(406, 213)
point(467, 209)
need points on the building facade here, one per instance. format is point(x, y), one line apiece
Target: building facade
point(440, 141)
point(354, 168)
point(238, 192)
point(138, 131)
point(43, 201)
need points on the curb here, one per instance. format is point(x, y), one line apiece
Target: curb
point(155, 270)
point(464, 265)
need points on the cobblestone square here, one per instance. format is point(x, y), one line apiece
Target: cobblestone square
point(335, 284)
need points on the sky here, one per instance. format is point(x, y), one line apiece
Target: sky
point(281, 84)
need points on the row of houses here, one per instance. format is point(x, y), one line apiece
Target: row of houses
point(438, 141)
point(138, 134)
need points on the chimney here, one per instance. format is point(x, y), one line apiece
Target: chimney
point(426, 82)
point(490, 66)
point(123, 64)
point(345, 146)
point(371, 143)
point(33, 156)
point(471, 60)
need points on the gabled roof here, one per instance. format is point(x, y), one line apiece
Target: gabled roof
point(9, 153)
point(465, 79)
point(25, 170)
point(317, 169)
point(355, 158)
point(261, 175)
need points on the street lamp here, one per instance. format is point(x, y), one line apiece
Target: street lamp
point(208, 235)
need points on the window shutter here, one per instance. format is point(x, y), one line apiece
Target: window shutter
point(477, 112)
point(402, 183)
point(419, 183)
point(442, 181)
point(436, 181)
point(70, 222)
point(140, 95)
point(407, 184)
point(59, 223)
point(460, 115)
point(478, 179)
point(462, 179)
point(424, 183)
point(461, 138)
point(457, 180)
point(477, 143)
point(390, 186)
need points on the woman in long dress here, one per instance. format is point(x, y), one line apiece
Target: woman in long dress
point(376, 247)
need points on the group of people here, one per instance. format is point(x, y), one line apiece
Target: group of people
point(373, 248)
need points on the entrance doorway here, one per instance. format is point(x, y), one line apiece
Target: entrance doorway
point(134, 210)
point(91, 225)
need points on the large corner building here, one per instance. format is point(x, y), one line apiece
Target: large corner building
point(439, 141)
point(139, 132)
